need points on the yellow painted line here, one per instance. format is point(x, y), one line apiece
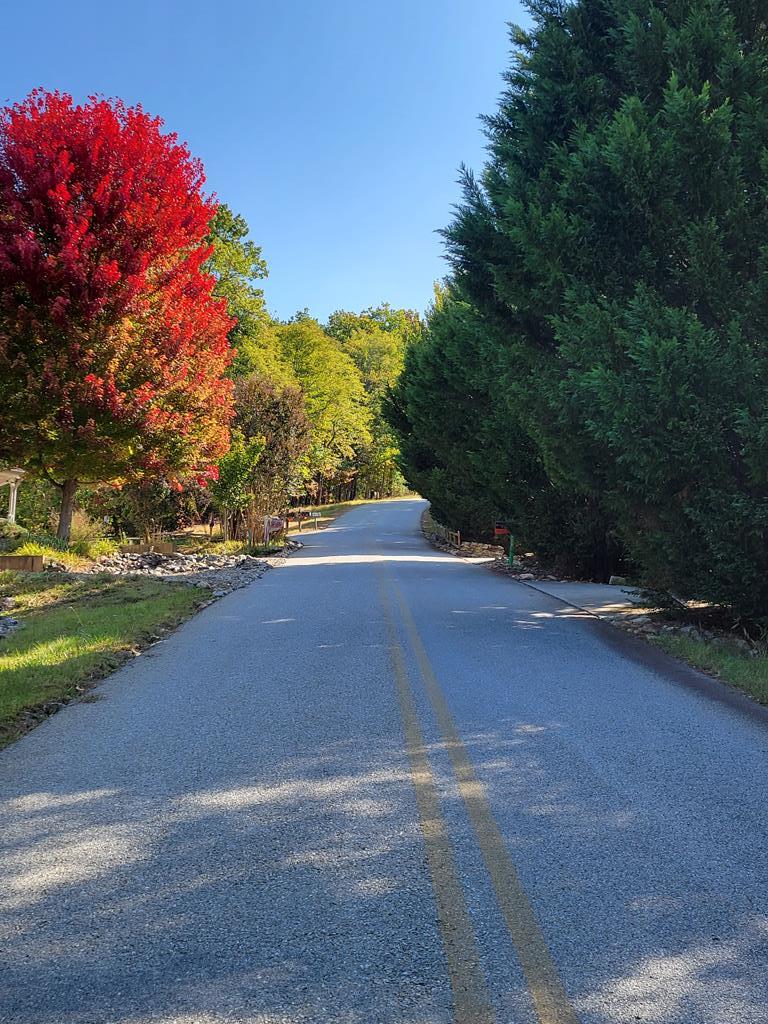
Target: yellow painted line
point(550, 999)
point(471, 1003)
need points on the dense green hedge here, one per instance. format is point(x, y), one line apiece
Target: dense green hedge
point(616, 247)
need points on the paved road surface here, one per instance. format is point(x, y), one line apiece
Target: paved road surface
point(385, 785)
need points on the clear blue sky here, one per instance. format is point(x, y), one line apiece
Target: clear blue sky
point(336, 127)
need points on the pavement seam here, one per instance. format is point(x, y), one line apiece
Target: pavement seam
point(548, 995)
point(471, 1001)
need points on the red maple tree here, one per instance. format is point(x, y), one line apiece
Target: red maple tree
point(112, 345)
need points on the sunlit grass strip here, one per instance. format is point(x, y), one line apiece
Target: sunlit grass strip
point(76, 631)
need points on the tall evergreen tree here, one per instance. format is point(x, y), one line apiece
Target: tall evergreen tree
point(617, 239)
point(461, 449)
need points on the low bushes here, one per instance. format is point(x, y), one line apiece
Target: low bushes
point(10, 532)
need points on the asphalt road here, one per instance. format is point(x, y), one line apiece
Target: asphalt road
point(385, 785)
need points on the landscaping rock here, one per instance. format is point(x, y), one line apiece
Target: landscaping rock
point(218, 572)
point(8, 625)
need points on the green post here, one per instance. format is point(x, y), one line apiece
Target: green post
point(511, 550)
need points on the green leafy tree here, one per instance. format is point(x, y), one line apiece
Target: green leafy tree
point(334, 396)
point(403, 323)
point(237, 265)
point(617, 242)
point(376, 340)
point(278, 416)
point(233, 491)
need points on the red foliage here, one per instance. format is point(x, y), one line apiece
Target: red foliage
point(112, 346)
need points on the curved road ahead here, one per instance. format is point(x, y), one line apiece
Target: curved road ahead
point(386, 785)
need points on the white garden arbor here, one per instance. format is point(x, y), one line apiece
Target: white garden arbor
point(13, 478)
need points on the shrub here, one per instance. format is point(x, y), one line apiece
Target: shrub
point(49, 550)
point(12, 531)
point(94, 548)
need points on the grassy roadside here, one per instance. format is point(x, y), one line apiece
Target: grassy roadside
point(75, 631)
point(730, 663)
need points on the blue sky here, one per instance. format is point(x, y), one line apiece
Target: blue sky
point(336, 127)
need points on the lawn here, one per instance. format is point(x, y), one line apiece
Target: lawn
point(76, 630)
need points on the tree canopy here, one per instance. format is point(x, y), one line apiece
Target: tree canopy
point(336, 374)
point(333, 393)
point(376, 340)
point(112, 344)
point(236, 263)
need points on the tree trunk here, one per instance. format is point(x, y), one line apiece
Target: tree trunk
point(68, 490)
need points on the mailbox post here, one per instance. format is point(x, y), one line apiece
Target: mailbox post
point(502, 530)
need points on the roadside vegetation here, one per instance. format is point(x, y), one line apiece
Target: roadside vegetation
point(594, 371)
point(191, 412)
point(176, 395)
point(74, 631)
point(744, 669)
point(592, 374)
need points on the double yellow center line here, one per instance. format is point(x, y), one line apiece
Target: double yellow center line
point(471, 1001)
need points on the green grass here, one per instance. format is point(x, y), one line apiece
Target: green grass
point(229, 547)
point(728, 662)
point(74, 556)
point(75, 631)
